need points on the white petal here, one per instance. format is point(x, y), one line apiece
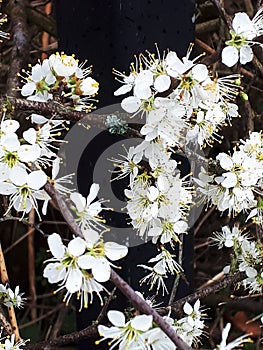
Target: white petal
point(9, 126)
point(230, 56)
point(162, 83)
point(109, 332)
point(78, 200)
point(155, 231)
point(37, 73)
point(131, 104)
point(142, 91)
point(246, 54)
point(251, 272)
point(11, 142)
point(18, 176)
point(54, 272)
point(200, 72)
point(123, 90)
point(93, 192)
point(29, 153)
point(180, 226)
point(117, 318)
point(230, 180)
point(38, 119)
point(146, 129)
point(37, 179)
point(56, 246)
point(153, 193)
point(28, 89)
point(242, 23)
point(74, 281)
point(55, 167)
point(115, 251)
point(144, 77)
point(7, 188)
point(101, 271)
point(225, 161)
point(142, 322)
point(30, 135)
point(77, 246)
point(188, 308)
point(91, 237)
point(86, 262)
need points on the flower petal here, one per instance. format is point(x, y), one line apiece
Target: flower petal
point(93, 192)
point(230, 56)
point(78, 200)
point(131, 104)
point(56, 246)
point(77, 246)
point(115, 251)
point(74, 280)
point(162, 83)
point(117, 318)
point(101, 272)
point(37, 179)
point(142, 322)
point(246, 54)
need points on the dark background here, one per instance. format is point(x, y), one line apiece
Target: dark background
point(108, 34)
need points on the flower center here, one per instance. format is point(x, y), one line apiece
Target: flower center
point(187, 82)
point(11, 158)
point(237, 40)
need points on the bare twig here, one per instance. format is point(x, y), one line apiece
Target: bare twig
point(178, 276)
point(226, 18)
point(45, 23)
point(226, 282)
point(11, 311)
point(204, 218)
point(145, 308)
point(31, 264)
point(207, 26)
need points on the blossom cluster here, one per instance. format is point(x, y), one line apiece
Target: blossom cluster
point(141, 332)
point(158, 203)
point(243, 37)
point(10, 343)
point(83, 264)
point(11, 298)
point(234, 344)
point(247, 256)
point(22, 160)
point(61, 78)
point(234, 182)
point(181, 101)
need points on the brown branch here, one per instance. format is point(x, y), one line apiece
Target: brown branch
point(58, 112)
point(64, 339)
point(11, 311)
point(64, 209)
point(74, 337)
point(145, 308)
point(216, 287)
point(44, 22)
point(138, 302)
point(31, 264)
point(226, 18)
point(208, 26)
point(20, 44)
